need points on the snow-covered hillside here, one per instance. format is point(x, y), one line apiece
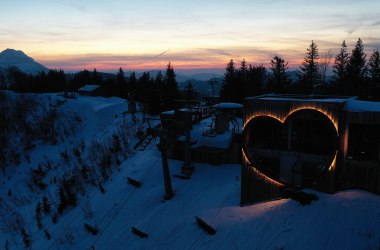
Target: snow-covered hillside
point(19, 59)
point(111, 206)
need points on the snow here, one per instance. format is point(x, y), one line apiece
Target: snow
point(364, 106)
point(311, 99)
point(89, 88)
point(19, 59)
point(228, 105)
point(169, 112)
point(221, 141)
point(346, 220)
point(351, 103)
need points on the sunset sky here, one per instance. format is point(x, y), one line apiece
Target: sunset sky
point(146, 34)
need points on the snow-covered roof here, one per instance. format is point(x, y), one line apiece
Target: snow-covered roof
point(220, 141)
point(363, 106)
point(302, 98)
point(89, 88)
point(335, 100)
point(228, 105)
point(169, 112)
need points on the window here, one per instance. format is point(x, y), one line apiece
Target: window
point(363, 142)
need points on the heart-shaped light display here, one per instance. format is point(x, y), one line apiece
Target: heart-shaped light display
point(303, 145)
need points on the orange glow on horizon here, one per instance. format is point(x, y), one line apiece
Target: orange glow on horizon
point(161, 65)
point(180, 59)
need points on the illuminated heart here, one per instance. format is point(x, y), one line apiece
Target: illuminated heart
point(296, 150)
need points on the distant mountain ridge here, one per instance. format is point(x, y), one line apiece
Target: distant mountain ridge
point(19, 59)
point(180, 77)
point(199, 81)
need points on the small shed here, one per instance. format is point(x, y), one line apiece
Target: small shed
point(225, 112)
point(89, 90)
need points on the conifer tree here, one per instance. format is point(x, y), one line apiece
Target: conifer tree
point(255, 80)
point(374, 73)
point(152, 104)
point(228, 90)
point(356, 71)
point(120, 77)
point(131, 86)
point(279, 81)
point(189, 92)
point(170, 90)
point(96, 78)
point(340, 67)
point(309, 75)
point(159, 79)
point(242, 84)
point(80, 79)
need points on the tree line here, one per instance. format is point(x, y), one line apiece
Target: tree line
point(156, 93)
point(352, 75)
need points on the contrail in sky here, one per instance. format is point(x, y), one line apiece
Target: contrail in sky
point(162, 53)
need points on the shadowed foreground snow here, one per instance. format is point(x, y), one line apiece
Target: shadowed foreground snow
point(346, 220)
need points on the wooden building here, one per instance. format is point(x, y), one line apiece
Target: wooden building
point(319, 142)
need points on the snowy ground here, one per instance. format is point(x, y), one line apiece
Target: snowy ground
point(346, 220)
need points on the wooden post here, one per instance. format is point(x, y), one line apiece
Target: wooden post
point(187, 167)
point(163, 147)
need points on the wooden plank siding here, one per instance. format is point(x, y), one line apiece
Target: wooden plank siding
point(346, 173)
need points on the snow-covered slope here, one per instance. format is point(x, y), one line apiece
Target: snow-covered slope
point(19, 59)
point(346, 220)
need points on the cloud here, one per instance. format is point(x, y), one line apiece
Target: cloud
point(194, 58)
point(351, 31)
point(79, 7)
point(371, 44)
point(216, 51)
point(376, 23)
point(203, 57)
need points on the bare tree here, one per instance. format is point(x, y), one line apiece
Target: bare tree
point(324, 64)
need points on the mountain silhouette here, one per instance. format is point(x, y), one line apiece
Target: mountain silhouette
point(19, 59)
